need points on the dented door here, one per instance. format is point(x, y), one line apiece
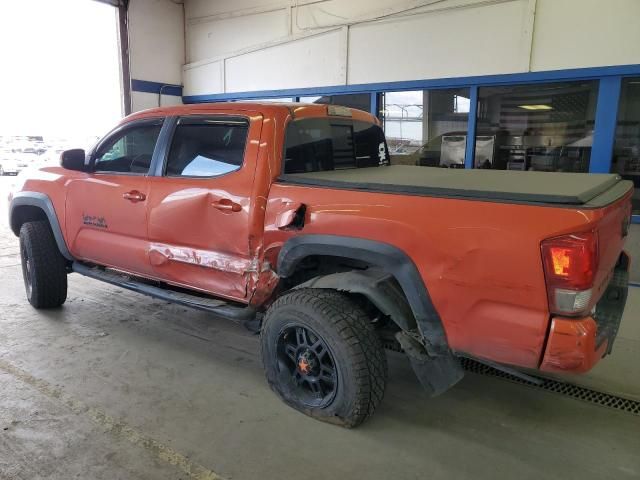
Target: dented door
point(199, 208)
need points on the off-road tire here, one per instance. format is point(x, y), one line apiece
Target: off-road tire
point(347, 331)
point(43, 266)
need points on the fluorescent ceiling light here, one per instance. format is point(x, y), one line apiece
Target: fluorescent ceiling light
point(536, 107)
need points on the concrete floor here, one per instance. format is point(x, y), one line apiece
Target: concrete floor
point(119, 386)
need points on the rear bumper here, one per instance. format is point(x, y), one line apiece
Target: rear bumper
point(575, 345)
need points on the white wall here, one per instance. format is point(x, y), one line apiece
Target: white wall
point(246, 45)
point(156, 47)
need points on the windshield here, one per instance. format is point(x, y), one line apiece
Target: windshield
point(321, 144)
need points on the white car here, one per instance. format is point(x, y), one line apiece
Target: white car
point(9, 167)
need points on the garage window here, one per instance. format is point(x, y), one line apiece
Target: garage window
point(543, 127)
point(207, 147)
point(626, 154)
point(426, 127)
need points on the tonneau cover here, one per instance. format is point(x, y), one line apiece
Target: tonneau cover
point(504, 185)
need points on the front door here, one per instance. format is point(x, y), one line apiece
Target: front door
point(106, 219)
point(200, 205)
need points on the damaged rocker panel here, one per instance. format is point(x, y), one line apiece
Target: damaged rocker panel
point(161, 254)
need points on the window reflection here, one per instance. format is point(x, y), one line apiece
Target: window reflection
point(543, 127)
point(426, 127)
point(626, 154)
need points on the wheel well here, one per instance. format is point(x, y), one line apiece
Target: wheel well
point(374, 289)
point(319, 265)
point(26, 213)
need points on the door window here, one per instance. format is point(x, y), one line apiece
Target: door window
point(128, 151)
point(207, 147)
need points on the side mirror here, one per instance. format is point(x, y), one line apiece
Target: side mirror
point(73, 159)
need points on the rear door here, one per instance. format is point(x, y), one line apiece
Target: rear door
point(106, 219)
point(199, 204)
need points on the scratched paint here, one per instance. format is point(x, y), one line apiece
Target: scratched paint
point(161, 254)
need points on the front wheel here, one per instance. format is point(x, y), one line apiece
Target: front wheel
point(322, 356)
point(43, 266)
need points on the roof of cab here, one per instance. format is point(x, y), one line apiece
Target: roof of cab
point(269, 109)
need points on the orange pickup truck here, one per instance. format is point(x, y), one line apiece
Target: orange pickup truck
point(292, 219)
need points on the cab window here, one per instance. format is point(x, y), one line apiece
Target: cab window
point(128, 151)
point(204, 147)
point(320, 144)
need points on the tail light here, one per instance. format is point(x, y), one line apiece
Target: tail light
point(570, 265)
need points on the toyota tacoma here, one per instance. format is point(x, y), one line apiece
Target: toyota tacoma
point(293, 220)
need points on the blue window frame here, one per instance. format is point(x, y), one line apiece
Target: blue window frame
point(608, 98)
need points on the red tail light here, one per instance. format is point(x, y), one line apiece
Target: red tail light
point(570, 265)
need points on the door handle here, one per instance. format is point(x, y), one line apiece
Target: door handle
point(227, 205)
point(134, 196)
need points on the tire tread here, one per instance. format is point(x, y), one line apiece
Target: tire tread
point(354, 327)
point(49, 274)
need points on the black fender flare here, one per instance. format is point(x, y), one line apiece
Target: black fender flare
point(385, 257)
point(43, 202)
point(375, 284)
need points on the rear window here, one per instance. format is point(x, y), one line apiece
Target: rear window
point(321, 144)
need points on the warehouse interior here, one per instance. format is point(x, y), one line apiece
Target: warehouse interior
point(119, 385)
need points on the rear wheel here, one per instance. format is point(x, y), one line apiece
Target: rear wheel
point(43, 266)
point(322, 356)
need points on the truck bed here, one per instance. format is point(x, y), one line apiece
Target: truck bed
point(589, 191)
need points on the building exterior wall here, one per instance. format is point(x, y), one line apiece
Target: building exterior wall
point(332, 42)
point(156, 52)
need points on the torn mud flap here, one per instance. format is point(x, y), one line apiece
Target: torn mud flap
point(436, 374)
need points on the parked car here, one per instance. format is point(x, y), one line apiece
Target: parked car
point(291, 220)
point(9, 167)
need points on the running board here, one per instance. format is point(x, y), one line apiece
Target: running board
point(212, 305)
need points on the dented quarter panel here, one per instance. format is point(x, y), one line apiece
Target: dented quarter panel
point(479, 260)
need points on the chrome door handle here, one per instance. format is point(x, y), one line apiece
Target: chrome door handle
point(134, 196)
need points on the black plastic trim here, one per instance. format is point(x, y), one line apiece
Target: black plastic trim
point(160, 153)
point(239, 314)
point(41, 201)
point(391, 259)
point(458, 194)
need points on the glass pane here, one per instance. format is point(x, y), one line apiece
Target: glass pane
point(360, 101)
point(129, 151)
point(626, 153)
point(320, 144)
point(206, 150)
point(426, 127)
point(544, 127)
